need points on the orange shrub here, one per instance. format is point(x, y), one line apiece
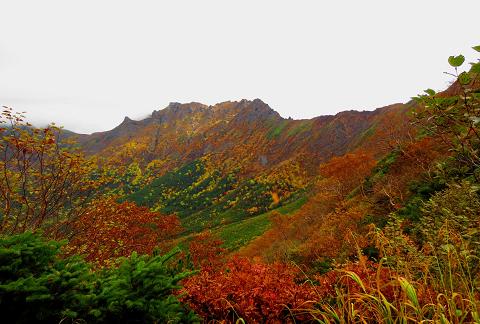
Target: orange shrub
point(414, 161)
point(348, 171)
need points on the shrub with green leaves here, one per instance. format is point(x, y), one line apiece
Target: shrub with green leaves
point(140, 291)
point(38, 285)
point(450, 223)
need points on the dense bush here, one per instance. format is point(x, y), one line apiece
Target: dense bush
point(38, 285)
point(453, 216)
point(140, 291)
point(255, 292)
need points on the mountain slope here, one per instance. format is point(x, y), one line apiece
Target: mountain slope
point(248, 134)
point(223, 164)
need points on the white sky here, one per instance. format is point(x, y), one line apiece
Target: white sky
point(87, 64)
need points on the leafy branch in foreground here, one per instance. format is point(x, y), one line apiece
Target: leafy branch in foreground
point(456, 118)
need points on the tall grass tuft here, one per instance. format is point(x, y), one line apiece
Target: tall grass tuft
point(436, 288)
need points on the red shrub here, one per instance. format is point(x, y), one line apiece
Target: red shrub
point(206, 251)
point(108, 230)
point(256, 292)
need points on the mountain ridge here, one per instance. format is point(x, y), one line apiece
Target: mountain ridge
point(234, 113)
point(219, 106)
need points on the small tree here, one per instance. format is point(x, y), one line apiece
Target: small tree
point(43, 178)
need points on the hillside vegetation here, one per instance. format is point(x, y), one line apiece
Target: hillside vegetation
point(231, 213)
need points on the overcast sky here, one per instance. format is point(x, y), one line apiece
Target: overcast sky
point(88, 64)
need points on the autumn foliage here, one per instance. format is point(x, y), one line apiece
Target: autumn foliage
point(206, 252)
point(383, 228)
point(414, 160)
point(256, 292)
point(321, 228)
point(347, 172)
point(108, 230)
point(43, 179)
point(229, 288)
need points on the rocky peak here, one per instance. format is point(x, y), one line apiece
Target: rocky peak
point(256, 110)
point(127, 120)
point(176, 110)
